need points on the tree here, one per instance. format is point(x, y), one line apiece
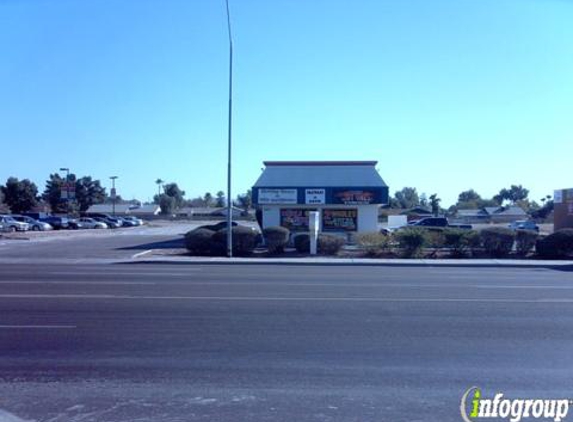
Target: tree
point(208, 199)
point(435, 204)
point(469, 196)
point(245, 201)
point(173, 191)
point(159, 182)
point(514, 193)
point(407, 197)
point(220, 201)
point(167, 204)
point(20, 196)
point(53, 193)
point(423, 199)
point(89, 192)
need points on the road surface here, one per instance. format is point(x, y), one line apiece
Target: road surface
point(152, 342)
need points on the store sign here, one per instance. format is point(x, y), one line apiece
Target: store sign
point(355, 197)
point(340, 220)
point(558, 196)
point(315, 196)
point(277, 196)
point(295, 219)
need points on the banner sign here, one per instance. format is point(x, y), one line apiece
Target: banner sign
point(355, 197)
point(315, 196)
point(295, 219)
point(340, 220)
point(269, 196)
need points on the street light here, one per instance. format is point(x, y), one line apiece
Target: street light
point(113, 193)
point(67, 170)
point(229, 200)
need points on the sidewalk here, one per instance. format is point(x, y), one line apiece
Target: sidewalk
point(495, 263)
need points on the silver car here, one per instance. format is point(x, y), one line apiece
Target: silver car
point(32, 223)
point(12, 225)
point(90, 223)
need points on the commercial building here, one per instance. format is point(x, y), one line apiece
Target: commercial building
point(563, 208)
point(346, 193)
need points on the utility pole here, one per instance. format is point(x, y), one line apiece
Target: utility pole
point(67, 170)
point(113, 195)
point(229, 197)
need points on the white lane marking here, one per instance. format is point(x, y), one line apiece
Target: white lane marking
point(55, 327)
point(286, 299)
point(137, 255)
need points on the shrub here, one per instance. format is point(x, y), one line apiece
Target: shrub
point(497, 241)
point(276, 239)
point(460, 241)
point(412, 240)
point(329, 244)
point(302, 242)
point(435, 238)
point(556, 245)
point(525, 241)
point(373, 243)
point(244, 241)
point(199, 241)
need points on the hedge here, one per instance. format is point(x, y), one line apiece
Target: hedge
point(327, 244)
point(556, 245)
point(276, 238)
point(199, 241)
point(411, 240)
point(525, 241)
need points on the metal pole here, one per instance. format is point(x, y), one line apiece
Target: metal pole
point(113, 195)
point(67, 170)
point(229, 200)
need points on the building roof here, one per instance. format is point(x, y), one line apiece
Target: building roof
point(471, 213)
point(146, 209)
point(320, 174)
point(108, 208)
point(511, 211)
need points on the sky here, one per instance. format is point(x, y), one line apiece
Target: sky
point(446, 95)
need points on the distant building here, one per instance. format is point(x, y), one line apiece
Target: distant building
point(146, 210)
point(126, 209)
point(497, 214)
point(347, 194)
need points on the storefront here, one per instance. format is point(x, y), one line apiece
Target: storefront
point(563, 208)
point(346, 193)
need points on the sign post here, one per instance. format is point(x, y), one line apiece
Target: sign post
point(313, 220)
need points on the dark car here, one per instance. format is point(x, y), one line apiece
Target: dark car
point(58, 223)
point(431, 222)
point(111, 223)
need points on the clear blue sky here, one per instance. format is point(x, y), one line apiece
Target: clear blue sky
point(447, 95)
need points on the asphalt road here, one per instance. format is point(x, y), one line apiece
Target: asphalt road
point(142, 342)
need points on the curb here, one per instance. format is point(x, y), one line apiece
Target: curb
point(446, 263)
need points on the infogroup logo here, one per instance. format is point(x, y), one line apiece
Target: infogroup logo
point(474, 407)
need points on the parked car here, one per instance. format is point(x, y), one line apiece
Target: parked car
point(33, 224)
point(110, 223)
point(436, 223)
point(524, 225)
point(12, 225)
point(90, 223)
point(218, 226)
point(127, 222)
point(58, 223)
point(137, 221)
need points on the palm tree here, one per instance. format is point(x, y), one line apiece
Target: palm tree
point(159, 183)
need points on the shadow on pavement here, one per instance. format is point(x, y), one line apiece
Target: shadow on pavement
point(165, 244)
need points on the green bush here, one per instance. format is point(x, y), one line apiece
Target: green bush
point(276, 239)
point(199, 241)
point(411, 240)
point(461, 242)
point(525, 241)
point(497, 241)
point(556, 245)
point(244, 241)
point(329, 244)
point(373, 243)
point(435, 238)
point(302, 242)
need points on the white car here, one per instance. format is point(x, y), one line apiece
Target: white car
point(137, 221)
point(33, 224)
point(524, 225)
point(12, 225)
point(90, 223)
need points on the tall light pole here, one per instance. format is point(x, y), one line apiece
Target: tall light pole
point(113, 193)
point(67, 170)
point(229, 200)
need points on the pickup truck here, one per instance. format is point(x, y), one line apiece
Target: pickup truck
point(434, 222)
